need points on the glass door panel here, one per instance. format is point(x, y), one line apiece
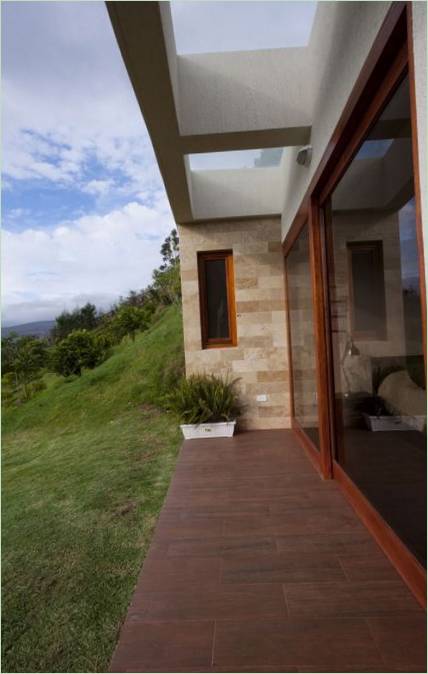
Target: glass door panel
point(300, 312)
point(376, 326)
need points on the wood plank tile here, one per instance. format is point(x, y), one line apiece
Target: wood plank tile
point(255, 668)
point(298, 643)
point(164, 646)
point(238, 602)
point(309, 498)
point(368, 567)
point(237, 524)
point(190, 527)
point(401, 641)
point(344, 544)
point(221, 547)
point(215, 511)
point(176, 573)
point(281, 568)
point(305, 521)
point(360, 599)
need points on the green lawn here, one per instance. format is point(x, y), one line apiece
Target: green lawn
point(86, 466)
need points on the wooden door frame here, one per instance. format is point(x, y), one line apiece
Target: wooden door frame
point(389, 61)
point(312, 451)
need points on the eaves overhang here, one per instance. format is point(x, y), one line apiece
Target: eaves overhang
point(211, 103)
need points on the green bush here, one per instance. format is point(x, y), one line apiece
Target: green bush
point(80, 349)
point(9, 389)
point(205, 399)
point(129, 320)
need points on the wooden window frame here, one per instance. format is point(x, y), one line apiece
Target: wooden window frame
point(388, 62)
point(219, 342)
point(377, 247)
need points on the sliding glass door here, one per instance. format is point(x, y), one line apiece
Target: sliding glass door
point(376, 326)
point(301, 333)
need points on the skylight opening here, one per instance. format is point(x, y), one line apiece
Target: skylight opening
point(374, 149)
point(236, 159)
point(204, 26)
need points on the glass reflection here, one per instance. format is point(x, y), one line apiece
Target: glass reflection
point(377, 326)
point(302, 336)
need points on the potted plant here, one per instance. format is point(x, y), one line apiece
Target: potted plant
point(207, 405)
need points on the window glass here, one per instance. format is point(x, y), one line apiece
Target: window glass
point(380, 392)
point(299, 292)
point(367, 289)
point(216, 298)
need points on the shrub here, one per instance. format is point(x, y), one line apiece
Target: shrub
point(129, 320)
point(34, 387)
point(9, 389)
point(78, 350)
point(205, 398)
point(24, 360)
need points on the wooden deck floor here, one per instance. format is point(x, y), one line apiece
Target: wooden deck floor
point(259, 565)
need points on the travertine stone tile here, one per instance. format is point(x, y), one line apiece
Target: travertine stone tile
point(260, 360)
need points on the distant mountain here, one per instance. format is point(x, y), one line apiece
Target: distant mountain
point(37, 328)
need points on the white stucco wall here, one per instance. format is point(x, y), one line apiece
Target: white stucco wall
point(341, 40)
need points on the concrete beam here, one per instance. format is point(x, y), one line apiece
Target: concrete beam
point(245, 140)
point(139, 33)
point(212, 103)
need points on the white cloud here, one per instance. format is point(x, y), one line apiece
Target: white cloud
point(67, 99)
point(96, 258)
point(98, 187)
point(70, 118)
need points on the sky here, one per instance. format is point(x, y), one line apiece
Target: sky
point(83, 204)
point(232, 26)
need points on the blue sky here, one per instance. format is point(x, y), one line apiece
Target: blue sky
point(83, 204)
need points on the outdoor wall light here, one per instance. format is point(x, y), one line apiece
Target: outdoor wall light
point(304, 155)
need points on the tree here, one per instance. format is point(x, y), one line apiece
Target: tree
point(170, 250)
point(85, 318)
point(129, 320)
point(79, 350)
point(29, 358)
point(9, 349)
point(166, 286)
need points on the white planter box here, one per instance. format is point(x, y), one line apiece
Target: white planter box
point(222, 429)
point(385, 423)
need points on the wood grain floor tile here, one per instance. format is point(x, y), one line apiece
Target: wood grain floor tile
point(258, 562)
point(359, 599)
point(401, 641)
point(297, 643)
point(164, 646)
point(281, 568)
point(243, 602)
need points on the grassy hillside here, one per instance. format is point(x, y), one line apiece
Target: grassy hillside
point(86, 466)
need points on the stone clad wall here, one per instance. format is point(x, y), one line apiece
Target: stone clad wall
point(260, 359)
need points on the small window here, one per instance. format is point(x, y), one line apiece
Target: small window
point(367, 290)
point(217, 299)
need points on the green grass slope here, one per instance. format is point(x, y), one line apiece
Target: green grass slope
point(86, 466)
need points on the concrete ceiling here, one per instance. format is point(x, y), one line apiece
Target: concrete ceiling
point(211, 103)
